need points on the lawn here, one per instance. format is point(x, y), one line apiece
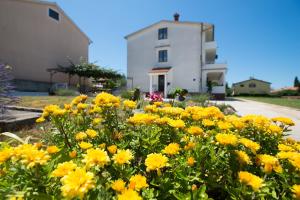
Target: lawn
point(42, 101)
point(293, 103)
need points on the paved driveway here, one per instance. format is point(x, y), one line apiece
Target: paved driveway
point(245, 107)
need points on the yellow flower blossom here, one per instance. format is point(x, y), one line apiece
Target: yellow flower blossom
point(191, 161)
point(138, 182)
point(224, 125)
point(107, 100)
point(118, 185)
point(142, 119)
point(73, 154)
point(77, 183)
point(63, 169)
point(284, 120)
point(250, 179)
point(5, 154)
point(52, 149)
point(208, 123)
point(96, 157)
point(176, 123)
point(129, 194)
point(253, 146)
point(269, 163)
point(227, 139)
point(195, 130)
point(296, 190)
point(112, 149)
point(283, 147)
point(151, 108)
point(97, 121)
point(80, 136)
point(243, 157)
point(172, 149)
point(156, 161)
point(40, 120)
point(91, 133)
point(128, 104)
point(85, 145)
point(122, 157)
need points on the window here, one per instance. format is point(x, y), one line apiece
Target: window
point(163, 56)
point(252, 85)
point(242, 85)
point(162, 33)
point(53, 14)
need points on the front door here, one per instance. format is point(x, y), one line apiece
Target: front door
point(161, 83)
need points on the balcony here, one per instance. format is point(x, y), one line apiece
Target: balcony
point(210, 45)
point(213, 66)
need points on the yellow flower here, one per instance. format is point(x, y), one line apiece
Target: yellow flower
point(107, 100)
point(274, 129)
point(137, 182)
point(85, 145)
point(194, 187)
point(176, 123)
point(123, 157)
point(191, 161)
point(67, 106)
point(102, 146)
point(128, 104)
point(52, 149)
point(224, 125)
point(195, 130)
point(80, 136)
point(172, 111)
point(158, 103)
point(91, 133)
point(269, 163)
point(296, 190)
point(253, 146)
point(40, 120)
point(63, 169)
point(129, 194)
point(95, 157)
point(30, 155)
point(73, 154)
point(172, 149)
point(5, 154)
point(190, 146)
point(283, 147)
point(118, 185)
point(82, 106)
point(226, 139)
point(142, 119)
point(208, 123)
point(284, 120)
point(112, 149)
point(250, 179)
point(156, 161)
point(151, 108)
point(97, 121)
point(243, 157)
point(77, 183)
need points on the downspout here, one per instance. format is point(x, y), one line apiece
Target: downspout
point(201, 59)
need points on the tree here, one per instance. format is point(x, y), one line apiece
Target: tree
point(296, 82)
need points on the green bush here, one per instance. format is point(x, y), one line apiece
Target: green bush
point(66, 92)
point(200, 98)
point(286, 93)
point(127, 94)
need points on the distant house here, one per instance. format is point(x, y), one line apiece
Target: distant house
point(35, 36)
point(251, 86)
point(170, 54)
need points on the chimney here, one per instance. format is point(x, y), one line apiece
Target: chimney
point(176, 17)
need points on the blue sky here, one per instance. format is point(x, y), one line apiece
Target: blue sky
point(259, 38)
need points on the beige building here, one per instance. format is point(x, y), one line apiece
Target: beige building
point(251, 86)
point(35, 36)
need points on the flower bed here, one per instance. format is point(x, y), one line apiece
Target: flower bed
point(104, 151)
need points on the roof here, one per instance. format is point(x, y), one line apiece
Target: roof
point(250, 80)
point(61, 10)
point(166, 21)
point(160, 69)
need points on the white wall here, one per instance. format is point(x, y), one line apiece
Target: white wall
point(183, 45)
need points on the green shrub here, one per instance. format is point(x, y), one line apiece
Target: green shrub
point(200, 98)
point(127, 94)
point(66, 92)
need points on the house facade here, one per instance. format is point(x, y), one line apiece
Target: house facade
point(35, 36)
point(251, 87)
point(171, 54)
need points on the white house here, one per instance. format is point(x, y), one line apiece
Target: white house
point(171, 54)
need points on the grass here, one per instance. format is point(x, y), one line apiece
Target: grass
point(42, 101)
point(293, 103)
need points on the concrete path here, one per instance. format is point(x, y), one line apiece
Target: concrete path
point(245, 107)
